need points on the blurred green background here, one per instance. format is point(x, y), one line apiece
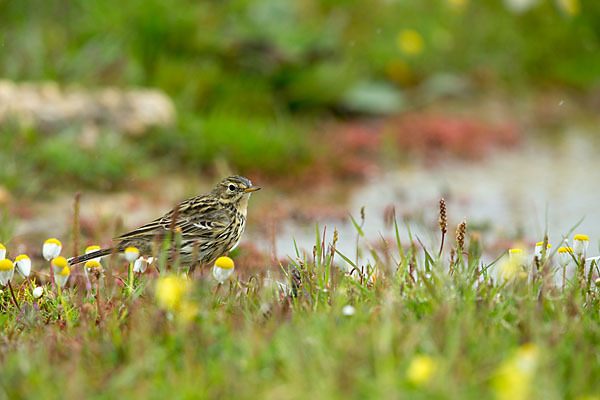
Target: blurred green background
point(253, 82)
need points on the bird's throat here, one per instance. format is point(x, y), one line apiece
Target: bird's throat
point(242, 205)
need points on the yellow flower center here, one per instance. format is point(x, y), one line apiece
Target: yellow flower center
point(565, 250)
point(2, 247)
point(410, 42)
point(224, 262)
point(54, 241)
point(89, 249)
point(542, 243)
point(65, 271)
point(170, 291)
point(421, 369)
point(583, 238)
point(515, 251)
point(92, 264)
point(6, 265)
point(132, 250)
point(60, 262)
point(21, 257)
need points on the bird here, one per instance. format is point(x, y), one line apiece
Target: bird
point(210, 226)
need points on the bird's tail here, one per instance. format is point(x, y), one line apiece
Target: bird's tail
point(95, 254)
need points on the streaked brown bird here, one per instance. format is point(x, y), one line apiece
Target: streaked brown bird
point(210, 225)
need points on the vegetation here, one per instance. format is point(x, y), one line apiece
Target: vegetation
point(402, 322)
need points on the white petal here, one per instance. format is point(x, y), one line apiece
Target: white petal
point(38, 292)
point(6, 276)
point(348, 310)
point(140, 265)
point(61, 279)
point(2, 254)
point(23, 267)
point(51, 251)
point(220, 274)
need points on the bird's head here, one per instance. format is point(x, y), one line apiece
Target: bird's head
point(234, 189)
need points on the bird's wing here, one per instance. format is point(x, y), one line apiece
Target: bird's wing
point(197, 217)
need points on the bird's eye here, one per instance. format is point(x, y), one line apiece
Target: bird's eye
point(231, 188)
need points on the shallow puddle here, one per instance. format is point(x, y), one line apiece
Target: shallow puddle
point(509, 196)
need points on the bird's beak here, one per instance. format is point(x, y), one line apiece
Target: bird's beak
point(251, 189)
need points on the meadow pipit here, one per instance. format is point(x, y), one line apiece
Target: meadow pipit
point(210, 225)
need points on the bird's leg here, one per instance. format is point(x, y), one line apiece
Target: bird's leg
point(193, 268)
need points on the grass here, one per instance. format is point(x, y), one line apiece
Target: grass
point(419, 326)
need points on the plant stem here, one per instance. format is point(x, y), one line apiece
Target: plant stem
point(130, 278)
point(442, 244)
point(64, 305)
point(98, 296)
point(13, 296)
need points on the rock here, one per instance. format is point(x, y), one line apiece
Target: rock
point(48, 107)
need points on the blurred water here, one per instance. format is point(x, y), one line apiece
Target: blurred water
point(509, 196)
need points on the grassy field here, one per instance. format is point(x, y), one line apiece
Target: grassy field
point(407, 324)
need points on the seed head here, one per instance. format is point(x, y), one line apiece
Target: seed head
point(443, 218)
point(461, 229)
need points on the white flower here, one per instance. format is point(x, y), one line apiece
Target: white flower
point(515, 254)
point(23, 265)
point(61, 271)
point(2, 252)
point(91, 265)
point(63, 277)
point(51, 249)
point(565, 255)
point(7, 270)
point(141, 264)
point(38, 292)
point(348, 310)
point(91, 249)
point(538, 249)
point(580, 244)
point(223, 269)
point(131, 254)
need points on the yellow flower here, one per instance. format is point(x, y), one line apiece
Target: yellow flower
point(91, 249)
point(23, 265)
point(92, 264)
point(565, 255)
point(570, 7)
point(223, 269)
point(515, 252)
point(58, 264)
point(131, 254)
point(512, 380)
point(580, 244)
point(410, 42)
point(51, 249)
point(170, 291)
point(509, 268)
point(2, 252)
point(188, 311)
point(421, 370)
point(538, 248)
point(62, 277)
point(7, 270)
